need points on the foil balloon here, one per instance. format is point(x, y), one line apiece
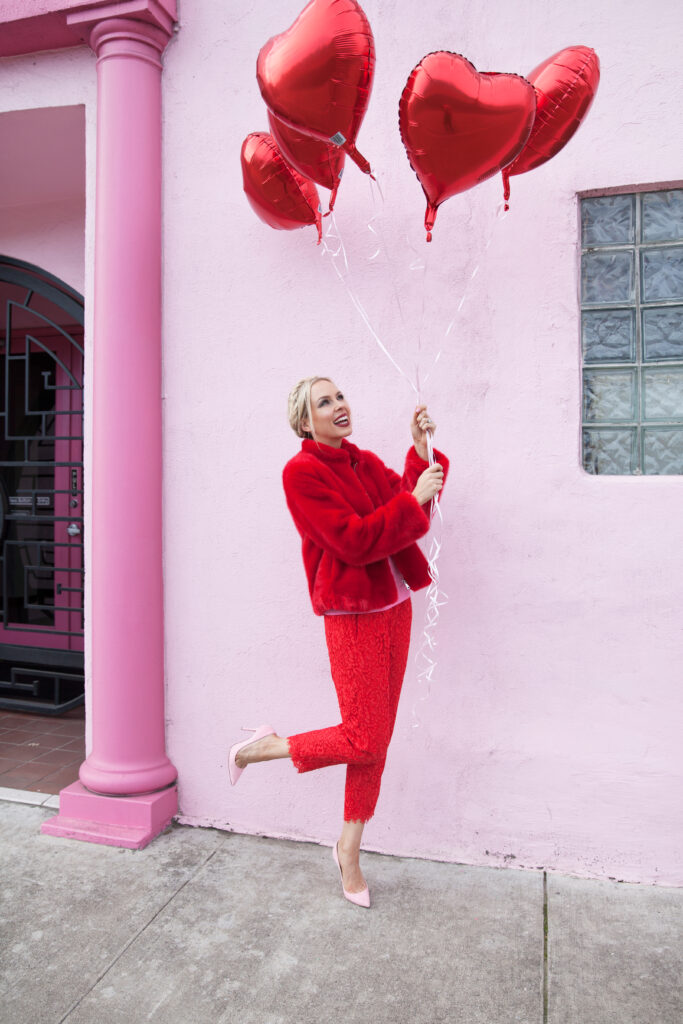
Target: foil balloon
point(565, 86)
point(280, 196)
point(317, 75)
point(460, 127)
point(320, 161)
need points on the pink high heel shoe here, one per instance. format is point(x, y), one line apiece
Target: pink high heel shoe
point(362, 898)
point(258, 734)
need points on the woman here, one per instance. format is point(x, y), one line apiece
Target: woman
point(359, 523)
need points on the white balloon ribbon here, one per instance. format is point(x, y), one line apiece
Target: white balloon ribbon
point(333, 247)
point(435, 599)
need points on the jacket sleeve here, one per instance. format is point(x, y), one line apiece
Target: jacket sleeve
point(414, 467)
point(321, 512)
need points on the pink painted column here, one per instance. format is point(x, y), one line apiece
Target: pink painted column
point(126, 793)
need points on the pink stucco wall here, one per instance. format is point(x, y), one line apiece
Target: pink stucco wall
point(49, 235)
point(549, 734)
point(43, 162)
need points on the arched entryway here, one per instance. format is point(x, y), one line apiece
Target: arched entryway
point(41, 491)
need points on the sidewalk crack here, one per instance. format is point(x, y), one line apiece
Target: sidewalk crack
point(145, 926)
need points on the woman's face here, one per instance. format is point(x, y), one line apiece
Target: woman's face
point(330, 414)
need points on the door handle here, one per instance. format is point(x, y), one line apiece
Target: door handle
point(73, 529)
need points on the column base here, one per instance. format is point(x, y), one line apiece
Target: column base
point(128, 821)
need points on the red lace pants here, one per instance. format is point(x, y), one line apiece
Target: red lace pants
point(368, 655)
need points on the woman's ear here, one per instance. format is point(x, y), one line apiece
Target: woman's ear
point(305, 425)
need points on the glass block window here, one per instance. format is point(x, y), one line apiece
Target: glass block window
point(632, 332)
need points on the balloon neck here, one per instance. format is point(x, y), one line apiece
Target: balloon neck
point(506, 186)
point(319, 225)
point(430, 217)
point(357, 158)
point(333, 197)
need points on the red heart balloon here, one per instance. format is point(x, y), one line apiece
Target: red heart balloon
point(279, 195)
point(317, 76)
point(459, 127)
point(320, 161)
point(565, 86)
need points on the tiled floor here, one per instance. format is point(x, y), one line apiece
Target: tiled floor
point(41, 753)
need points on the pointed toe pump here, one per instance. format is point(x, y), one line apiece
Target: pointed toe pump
point(360, 899)
point(257, 734)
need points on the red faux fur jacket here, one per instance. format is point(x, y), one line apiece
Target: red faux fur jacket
point(353, 513)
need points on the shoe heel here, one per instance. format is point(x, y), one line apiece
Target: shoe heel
point(257, 734)
point(359, 899)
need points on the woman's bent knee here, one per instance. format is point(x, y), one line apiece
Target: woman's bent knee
point(370, 752)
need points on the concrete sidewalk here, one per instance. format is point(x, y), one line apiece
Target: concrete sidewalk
point(208, 927)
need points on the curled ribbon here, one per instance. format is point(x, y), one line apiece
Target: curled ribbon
point(435, 599)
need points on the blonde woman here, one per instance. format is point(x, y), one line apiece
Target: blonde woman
point(359, 522)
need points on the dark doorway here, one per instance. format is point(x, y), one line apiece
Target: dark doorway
point(41, 491)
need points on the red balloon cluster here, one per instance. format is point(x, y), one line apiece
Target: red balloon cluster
point(460, 126)
point(316, 79)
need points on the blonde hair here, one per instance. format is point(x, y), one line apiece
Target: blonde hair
point(299, 405)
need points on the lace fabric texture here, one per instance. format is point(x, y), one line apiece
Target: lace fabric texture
point(368, 655)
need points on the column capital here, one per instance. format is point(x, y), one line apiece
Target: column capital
point(125, 37)
point(140, 22)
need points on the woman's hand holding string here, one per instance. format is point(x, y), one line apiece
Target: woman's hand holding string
point(429, 484)
point(421, 425)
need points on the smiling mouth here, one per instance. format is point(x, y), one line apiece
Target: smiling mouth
point(343, 421)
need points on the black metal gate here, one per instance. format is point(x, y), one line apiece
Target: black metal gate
point(41, 491)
